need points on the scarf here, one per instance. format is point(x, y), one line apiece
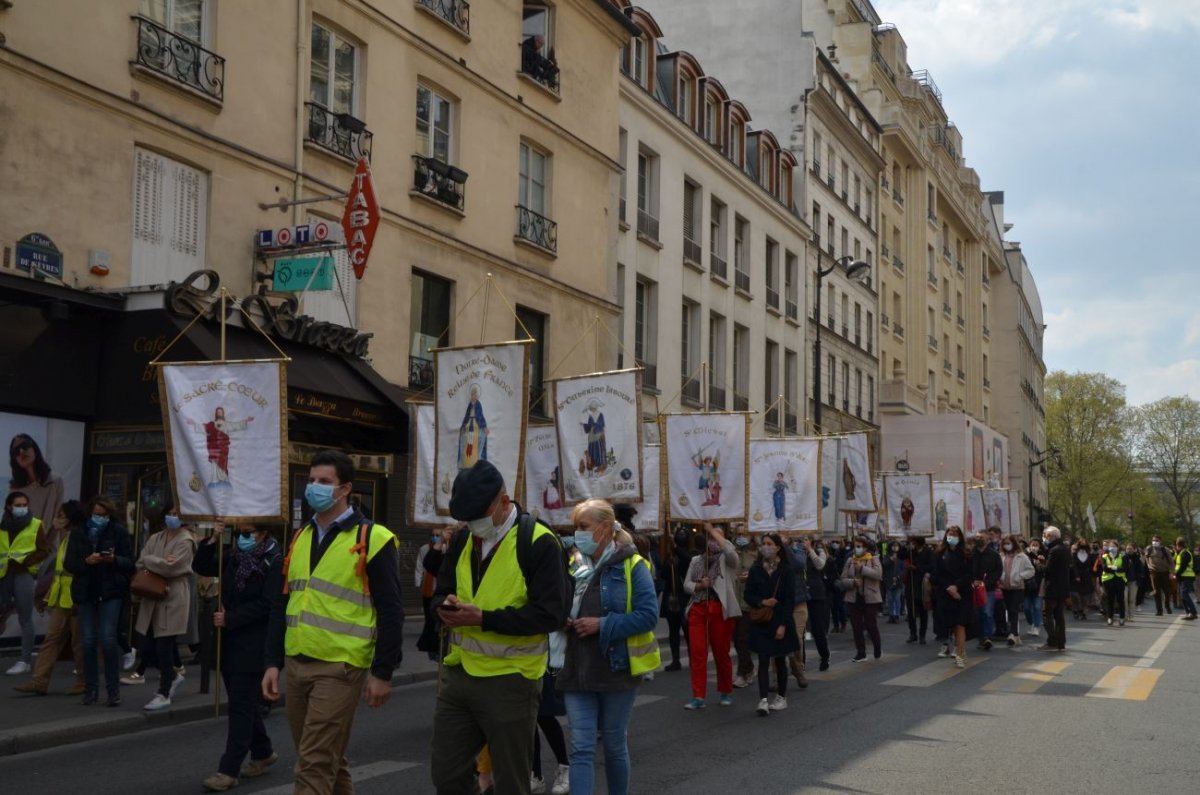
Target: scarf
point(585, 571)
point(14, 525)
point(246, 564)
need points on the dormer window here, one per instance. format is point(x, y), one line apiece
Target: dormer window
point(765, 169)
point(785, 183)
point(683, 99)
point(641, 62)
point(712, 130)
point(737, 140)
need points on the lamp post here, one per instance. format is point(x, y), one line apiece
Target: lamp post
point(855, 269)
point(1043, 456)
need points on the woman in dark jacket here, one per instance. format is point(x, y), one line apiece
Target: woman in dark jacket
point(917, 568)
point(673, 552)
point(100, 559)
point(771, 583)
point(1083, 579)
point(818, 600)
point(952, 578)
point(252, 575)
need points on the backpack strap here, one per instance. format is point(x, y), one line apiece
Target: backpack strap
point(360, 568)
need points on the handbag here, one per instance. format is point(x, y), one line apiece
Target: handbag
point(763, 615)
point(148, 585)
point(980, 595)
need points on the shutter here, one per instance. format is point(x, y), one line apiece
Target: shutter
point(147, 219)
point(170, 210)
point(689, 203)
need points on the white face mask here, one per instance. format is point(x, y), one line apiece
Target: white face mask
point(1008, 547)
point(1082, 556)
point(1156, 544)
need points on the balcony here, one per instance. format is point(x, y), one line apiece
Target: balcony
point(647, 225)
point(961, 375)
point(772, 298)
point(420, 373)
point(538, 67)
point(741, 280)
point(456, 13)
point(771, 419)
point(649, 375)
point(829, 180)
point(690, 394)
point(884, 322)
point(717, 266)
point(444, 183)
point(829, 248)
point(846, 405)
point(961, 321)
point(740, 402)
point(537, 229)
point(692, 252)
point(987, 383)
point(885, 253)
point(933, 343)
point(179, 59)
point(987, 333)
point(845, 331)
point(883, 183)
point(338, 133)
point(947, 311)
point(958, 266)
point(791, 423)
point(898, 263)
point(986, 281)
point(829, 320)
point(931, 216)
point(716, 397)
point(816, 167)
point(621, 216)
point(899, 198)
point(858, 410)
point(946, 252)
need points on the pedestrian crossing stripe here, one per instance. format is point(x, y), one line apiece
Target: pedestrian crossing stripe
point(1127, 682)
point(934, 673)
point(1028, 677)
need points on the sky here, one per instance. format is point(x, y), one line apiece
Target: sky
point(1085, 113)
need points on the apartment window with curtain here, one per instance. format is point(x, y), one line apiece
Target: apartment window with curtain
point(534, 179)
point(689, 353)
point(429, 325)
point(434, 130)
point(791, 285)
point(771, 382)
point(648, 194)
point(716, 239)
point(741, 260)
point(645, 330)
point(716, 361)
point(691, 222)
point(333, 70)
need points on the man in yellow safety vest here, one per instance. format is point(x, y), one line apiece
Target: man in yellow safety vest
point(502, 588)
point(1185, 577)
point(336, 629)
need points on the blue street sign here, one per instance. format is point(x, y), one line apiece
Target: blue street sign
point(37, 253)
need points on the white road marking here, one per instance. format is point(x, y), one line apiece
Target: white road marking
point(646, 698)
point(358, 774)
point(1159, 647)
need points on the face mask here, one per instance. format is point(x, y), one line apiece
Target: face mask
point(585, 543)
point(246, 543)
point(1112, 550)
point(952, 541)
point(434, 539)
point(1156, 544)
point(835, 547)
point(769, 553)
point(1083, 556)
point(1008, 547)
point(567, 541)
point(858, 551)
point(481, 527)
point(172, 522)
point(797, 547)
point(319, 496)
point(98, 522)
point(714, 547)
point(20, 512)
point(742, 542)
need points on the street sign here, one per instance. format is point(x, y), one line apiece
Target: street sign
point(293, 274)
point(361, 218)
point(902, 465)
point(38, 255)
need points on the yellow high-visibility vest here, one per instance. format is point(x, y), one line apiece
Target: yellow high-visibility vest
point(1190, 571)
point(1118, 561)
point(59, 594)
point(17, 550)
point(644, 655)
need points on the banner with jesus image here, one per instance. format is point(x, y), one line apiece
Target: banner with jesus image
point(706, 466)
point(599, 421)
point(226, 433)
point(949, 506)
point(482, 399)
point(995, 509)
point(909, 500)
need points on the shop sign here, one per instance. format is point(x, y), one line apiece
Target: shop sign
point(302, 454)
point(335, 408)
point(37, 254)
point(316, 234)
point(361, 218)
point(303, 274)
point(109, 441)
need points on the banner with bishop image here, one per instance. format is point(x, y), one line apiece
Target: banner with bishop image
point(949, 506)
point(975, 515)
point(482, 400)
point(543, 480)
point(226, 434)
point(422, 436)
point(995, 509)
point(599, 421)
point(855, 492)
point(707, 476)
point(785, 480)
point(909, 500)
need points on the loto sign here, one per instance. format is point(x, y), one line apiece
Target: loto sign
point(361, 218)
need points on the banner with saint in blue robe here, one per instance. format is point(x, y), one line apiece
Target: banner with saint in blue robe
point(599, 421)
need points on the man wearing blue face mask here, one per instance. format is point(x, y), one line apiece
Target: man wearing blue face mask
point(501, 590)
point(337, 627)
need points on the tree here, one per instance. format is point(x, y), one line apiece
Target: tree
point(1088, 422)
point(1167, 442)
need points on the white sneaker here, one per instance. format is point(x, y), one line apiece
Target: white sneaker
point(133, 679)
point(18, 668)
point(128, 660)
point(176, 683)
point(562, 781)
point(945, 652)
point(960, 662)
point(1033, 633)
point(741, 681)
point(537, 786)
point(159, 702)
point(763, 708)
point(778, 703)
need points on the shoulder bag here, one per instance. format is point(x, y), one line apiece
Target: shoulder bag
point(148, 585)
point(762, 615)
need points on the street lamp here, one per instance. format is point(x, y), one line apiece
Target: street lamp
point(1043, 456)
point(855, 269)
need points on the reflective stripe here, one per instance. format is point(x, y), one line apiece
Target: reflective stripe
point(340, 592)
point(498, 649)
point(297, 585)
point(330, 625)
point(645, 648)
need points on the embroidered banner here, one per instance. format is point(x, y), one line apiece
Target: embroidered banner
point(975, 517)
point(995, 508)
point(785, 482)
point(1014, 512)
point(226, 434)
point(909, 500)
point(949, 506)
point(482, 398)
point(854, 482)
point(422, 508)
point(832, 523)
point(543, 481)
point(649, 510)
point(706, 466)
point(599, 421)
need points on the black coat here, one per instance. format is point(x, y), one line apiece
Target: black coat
point(104, 581)
point(987, 566)
point(919, 563)
point(247, 610)
point(1056, 578)
point(1083, 576)
point(953, 568)
point(781, 585)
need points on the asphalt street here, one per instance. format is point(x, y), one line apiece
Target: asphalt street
point(1118, 712)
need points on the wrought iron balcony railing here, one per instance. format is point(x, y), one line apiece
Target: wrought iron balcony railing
point(454, 12)
point(716, 397)
point(539, 67)
point(772, 297)
point(691, 392)
point(180, 59)
point(420, 372)
point(537, 229)
point(649, 375)
point(792, 309)
point(740, 402)
point(440, 181)
point(339, 133)
point(791, 423)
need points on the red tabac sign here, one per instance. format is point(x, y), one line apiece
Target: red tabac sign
point(361, 218)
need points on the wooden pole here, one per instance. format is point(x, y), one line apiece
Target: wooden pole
point(220, 606)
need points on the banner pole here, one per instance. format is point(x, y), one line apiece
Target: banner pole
point(224, 294)
point(220, 607)
point(783, 420)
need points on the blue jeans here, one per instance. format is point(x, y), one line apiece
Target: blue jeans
point(98, 625)
point(986, 616)
point(837, 608)
point(609, 712)
point(1033, 610)
point(1185, 595)
point(895, 600)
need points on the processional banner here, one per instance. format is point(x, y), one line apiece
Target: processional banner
point(706, 466)
point(909, 499)
point(543, 480)
point(785, 483)
point(422, 423)
point(599, 421)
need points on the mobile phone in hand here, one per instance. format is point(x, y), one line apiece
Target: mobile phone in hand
point(449, 607)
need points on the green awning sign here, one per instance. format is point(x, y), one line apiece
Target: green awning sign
point(293, 275)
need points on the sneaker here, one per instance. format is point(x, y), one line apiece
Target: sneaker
point(945, 652)
point(1109, 622)
point(859, 657)
point(128, 660)
point(648, 677)
point(987, 645)
point(537, 786)
point(1011, 641)
point(726, 699)
point(256, 767)
point(219, 782)
point(778, 703)
point(960, 661)
point(824, 666)
point(675, 666)
point(159, 702)
point(695, 703)
point(1034, 633)
point(763, 709)
point(18, 668)
point(133, 679)
point(562, 781)
point(176, 683)
point(30, 688)
point(741, 681)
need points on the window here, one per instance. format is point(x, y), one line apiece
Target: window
point(870, 329)
point(640, 62)
point(829, 228)
point(536, 21)
point(741, 262)
point(691, 222)
point(832, 369)
point(429, 324)
point(434, 114)
point(683, 100)
point(772, 257)
point(857, 323)
point(830, 298)
point(741, 368)
point(816, 223)
point(771, 381)
point(184, 18)
point(647, 194)
point(712, 126)
point(846, 386)
point(529, 320)
point(533, 179)
point(689, 352)
point(737, 140)
point(716, 361)
point(333, 71)
point(537, 45)
point(791, 375)
point(870, 398)
point(645, 324)
point(716, 238)
point(791, 285)
point(622, 142)
point(170, 219)
point(830, 165)
point(858, 383)
point(765, 159)
point(816, 153)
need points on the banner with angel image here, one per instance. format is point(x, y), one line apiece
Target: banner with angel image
point(855, 493)
point(649, 510)
point(422, 508)
point(909, 500)
point(833, 524)
point(975, 520)
point(995, 508)
point(543, 482)
point(482, 398)
point(784, 485)
point(599, 422)
point(706, 466)
point(949, 506)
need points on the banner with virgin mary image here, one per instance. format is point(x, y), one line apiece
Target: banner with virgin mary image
point(482, 399)
point(599, 421)
point(226, 434)
point(949, 506)
point(422, 510)
point(855, 485)
point(785, 482)
point(706, 466)
point(909, 500)
point(543, 480)
point(975, 520)
point(995, 508)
